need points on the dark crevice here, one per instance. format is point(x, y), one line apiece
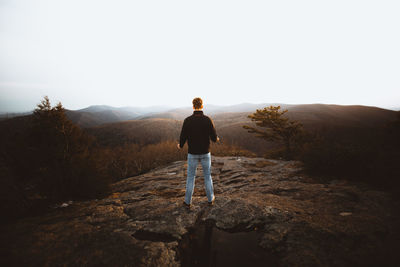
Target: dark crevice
point(207, 245)
point(234, 181)
point(281, 191)
point(153, 236)
point(132, 200)
point(244, 227)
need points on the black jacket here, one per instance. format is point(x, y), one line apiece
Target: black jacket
point(198, 129)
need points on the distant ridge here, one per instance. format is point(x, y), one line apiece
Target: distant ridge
point(116, 125)
point(9, 115)
point(167, 125)
point(137, 110)
point(325, 109)
point(102, 114)
point(308, 113)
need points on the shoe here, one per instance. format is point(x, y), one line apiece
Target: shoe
point(212, 201)
point(186, 205)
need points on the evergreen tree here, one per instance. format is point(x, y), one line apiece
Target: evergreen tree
point(63, 163)
point(276, 126)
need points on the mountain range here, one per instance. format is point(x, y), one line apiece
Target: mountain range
point(156, 127)
point(98, 115)
point(116, 126)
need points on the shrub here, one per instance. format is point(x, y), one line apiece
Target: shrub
point(226, 149)
point(133, 159)
point(364, 154)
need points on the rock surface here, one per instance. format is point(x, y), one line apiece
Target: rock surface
point(299, 221)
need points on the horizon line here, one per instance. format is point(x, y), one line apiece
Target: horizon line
point(170, 107)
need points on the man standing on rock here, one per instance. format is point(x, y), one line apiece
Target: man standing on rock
point(198, 129)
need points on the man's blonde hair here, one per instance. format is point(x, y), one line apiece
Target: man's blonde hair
point(197, 103)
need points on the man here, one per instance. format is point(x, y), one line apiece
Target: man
point(198, 129)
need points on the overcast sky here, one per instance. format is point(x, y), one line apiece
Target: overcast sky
point(145, 53)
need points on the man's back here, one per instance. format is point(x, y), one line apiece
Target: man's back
point(198, 129)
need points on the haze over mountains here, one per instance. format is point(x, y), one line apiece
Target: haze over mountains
point(118, 126)
point(97, 115)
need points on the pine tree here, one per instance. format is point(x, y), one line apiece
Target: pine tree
point(53, 130)
point(63, 159)
point(277, 127)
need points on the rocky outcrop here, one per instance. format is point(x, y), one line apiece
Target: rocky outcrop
point(265, 212)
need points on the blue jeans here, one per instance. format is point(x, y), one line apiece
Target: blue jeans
point(193, 160)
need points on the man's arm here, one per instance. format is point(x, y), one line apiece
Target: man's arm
point(213, 132)
point(183, 135)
